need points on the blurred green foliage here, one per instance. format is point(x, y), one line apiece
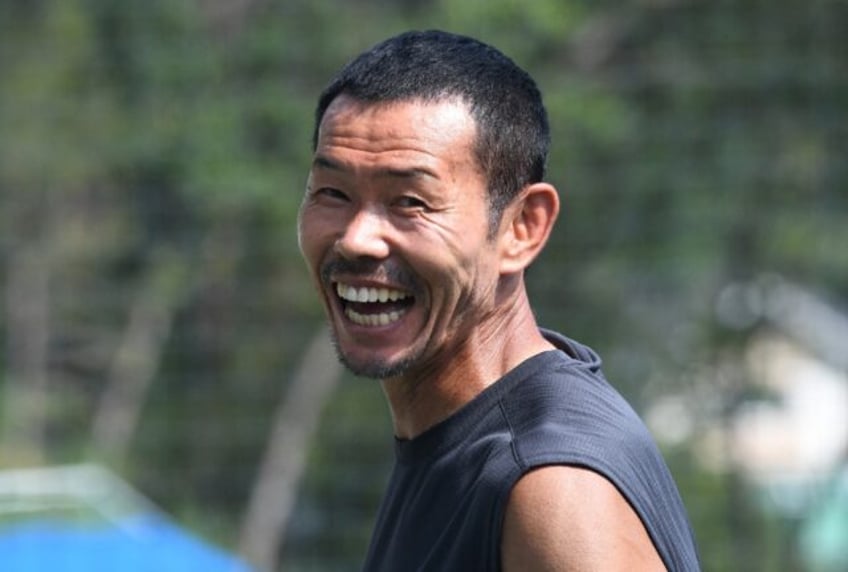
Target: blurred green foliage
point(163, 145)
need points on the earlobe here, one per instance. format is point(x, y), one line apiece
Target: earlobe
point(526, 226)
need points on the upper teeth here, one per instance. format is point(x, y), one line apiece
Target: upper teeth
point(352, 294)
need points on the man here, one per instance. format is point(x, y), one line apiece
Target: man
point(425, 204)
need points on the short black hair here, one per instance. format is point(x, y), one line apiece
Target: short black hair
point(513, 136)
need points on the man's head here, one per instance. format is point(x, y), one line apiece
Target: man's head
point(512, 126)
point(396, 224)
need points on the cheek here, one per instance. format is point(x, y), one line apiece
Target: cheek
point(312, 237)
point(462, 270)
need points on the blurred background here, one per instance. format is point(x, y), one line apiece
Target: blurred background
point(159, 331)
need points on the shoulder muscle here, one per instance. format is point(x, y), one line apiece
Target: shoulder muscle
point(562, 518)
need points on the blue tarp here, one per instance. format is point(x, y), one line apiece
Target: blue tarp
point(136, 544)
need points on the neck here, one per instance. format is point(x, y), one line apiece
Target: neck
point(422, 399)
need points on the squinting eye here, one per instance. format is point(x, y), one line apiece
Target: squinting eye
point(332, 193)
point(410, 203)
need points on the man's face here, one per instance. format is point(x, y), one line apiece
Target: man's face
point(394, 230)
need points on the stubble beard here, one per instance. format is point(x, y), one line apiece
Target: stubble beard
point(374, 368)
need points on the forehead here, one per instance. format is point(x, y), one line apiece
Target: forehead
point(429, 131)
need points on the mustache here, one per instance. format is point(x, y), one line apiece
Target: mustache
point(383, 270)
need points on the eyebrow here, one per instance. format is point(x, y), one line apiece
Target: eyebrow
point(323, 162)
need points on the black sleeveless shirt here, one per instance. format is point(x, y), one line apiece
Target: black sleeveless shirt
point(444, 506)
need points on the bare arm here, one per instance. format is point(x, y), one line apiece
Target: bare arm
point(562, 518)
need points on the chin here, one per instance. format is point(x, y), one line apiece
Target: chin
point(375, 369)
point(372, 366)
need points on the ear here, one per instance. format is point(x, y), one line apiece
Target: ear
point(526, 226)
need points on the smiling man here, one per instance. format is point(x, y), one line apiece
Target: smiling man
point(425, 203)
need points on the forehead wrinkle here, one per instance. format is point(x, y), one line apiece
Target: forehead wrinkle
point(413, 172)
point(358, 138)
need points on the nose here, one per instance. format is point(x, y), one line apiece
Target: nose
point(364, 236)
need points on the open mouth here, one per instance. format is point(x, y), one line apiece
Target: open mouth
point(367, 306)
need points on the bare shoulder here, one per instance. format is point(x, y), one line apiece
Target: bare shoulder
point(563, 518)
